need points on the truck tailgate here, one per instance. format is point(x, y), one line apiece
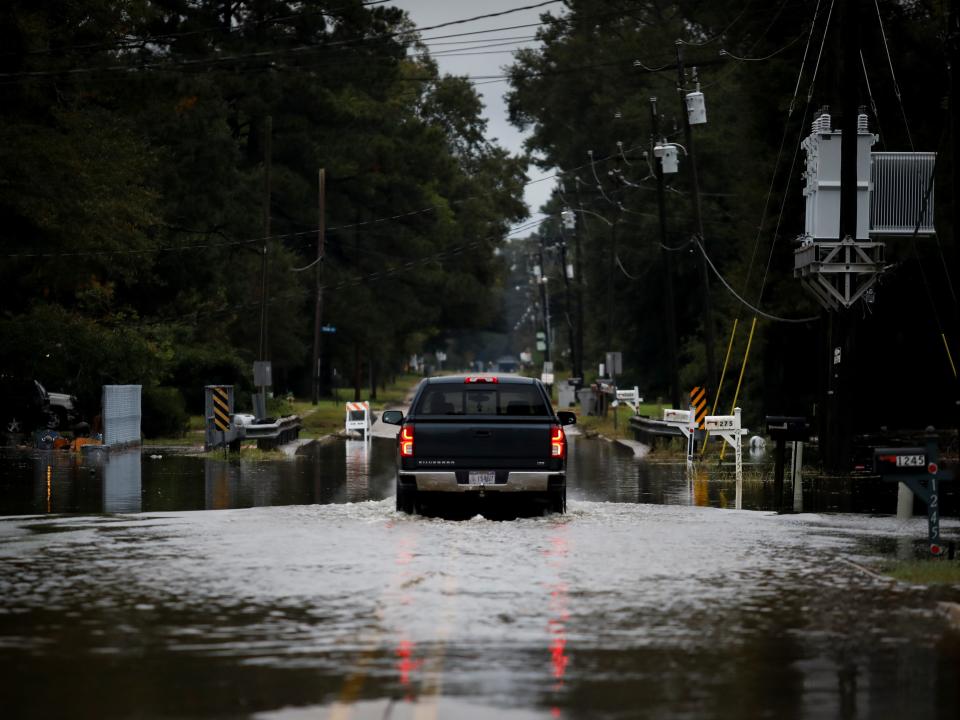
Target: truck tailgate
point(495, 443)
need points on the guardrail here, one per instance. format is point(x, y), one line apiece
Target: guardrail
point(270, 435)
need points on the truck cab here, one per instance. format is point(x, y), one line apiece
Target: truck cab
point(481, 435)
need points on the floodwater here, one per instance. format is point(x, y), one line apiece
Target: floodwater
point(178, 586)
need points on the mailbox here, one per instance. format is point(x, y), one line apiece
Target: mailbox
point(785, 427)
point(899, 461)
point(674, 416)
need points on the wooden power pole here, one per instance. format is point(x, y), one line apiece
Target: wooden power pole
point(841, 325)
point(264, 264)
point(318, 281)
point(709, 341)
point(667, 265)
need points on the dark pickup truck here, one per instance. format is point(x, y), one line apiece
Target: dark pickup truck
point(481, 435)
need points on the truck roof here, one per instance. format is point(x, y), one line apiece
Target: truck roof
point(461, 379)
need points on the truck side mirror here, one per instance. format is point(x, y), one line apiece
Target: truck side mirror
point(392, 417)
point(567, 418)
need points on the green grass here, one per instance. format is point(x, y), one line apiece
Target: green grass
point(254, 454)
point(930, 571)
point(322, 419)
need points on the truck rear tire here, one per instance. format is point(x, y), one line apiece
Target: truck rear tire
point(406, 499)
point(557, 500)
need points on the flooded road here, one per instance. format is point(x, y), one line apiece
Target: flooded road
point(308, 596)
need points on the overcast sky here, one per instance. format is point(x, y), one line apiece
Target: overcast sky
point(460, 59)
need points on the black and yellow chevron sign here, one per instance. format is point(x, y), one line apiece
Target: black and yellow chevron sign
point(698, 399)
point(221, 409)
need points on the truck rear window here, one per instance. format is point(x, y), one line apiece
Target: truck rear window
point(515, 400)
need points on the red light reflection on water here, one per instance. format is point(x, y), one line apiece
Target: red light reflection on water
point(558, 613)
point(406, 665)
point(557, 625)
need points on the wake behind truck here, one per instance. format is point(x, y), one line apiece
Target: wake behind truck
point(480, 436)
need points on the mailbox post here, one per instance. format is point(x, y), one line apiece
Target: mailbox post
point(918, 469)
point(782, 428)
point(730, 428)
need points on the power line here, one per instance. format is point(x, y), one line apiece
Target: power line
point(733, 292)
point(161, 65)
point(155, 39)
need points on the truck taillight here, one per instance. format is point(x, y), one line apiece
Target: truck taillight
point(558, 442)
point(406, 441)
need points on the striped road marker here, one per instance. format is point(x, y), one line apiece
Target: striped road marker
point(698, 401)
point(221, 409)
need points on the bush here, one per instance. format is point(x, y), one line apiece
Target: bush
point(196, 367)
point(279, 406)
point(164, 413)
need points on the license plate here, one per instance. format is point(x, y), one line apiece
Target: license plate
point(482, 478)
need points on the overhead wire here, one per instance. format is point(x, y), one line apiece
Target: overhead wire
point(776, 52)
point(722, 32)
point(744, 301)
point(210, 30)
point(155, 39)
point(263, 54)
point(310, 232)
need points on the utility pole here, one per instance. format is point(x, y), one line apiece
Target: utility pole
point(568, 224)
point(267, 160)
point(545, 300)
point(698, 218)
point(610, 282)
point(667, 262)
point(567, 304)
point(318, 280)
point(953, 59)
point(578, 271)
point(841, 324)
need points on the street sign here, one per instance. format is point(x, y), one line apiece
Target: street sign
point(262, 373)
point(546, 378)
point(541, 345)
point(614, 363)
point(547, 366)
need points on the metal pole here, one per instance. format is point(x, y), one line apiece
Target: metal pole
point(667, 264)
point(781, 455)
point(610, 282)
point(267, 159)
point(545, 300)
point(578, 271)
point(798, 476)
point(698, 218)
point(567, 304)
point(318, 281)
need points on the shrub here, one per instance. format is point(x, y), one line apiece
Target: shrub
point(164, 413)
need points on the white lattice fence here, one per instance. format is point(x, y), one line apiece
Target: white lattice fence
point(121, 414)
